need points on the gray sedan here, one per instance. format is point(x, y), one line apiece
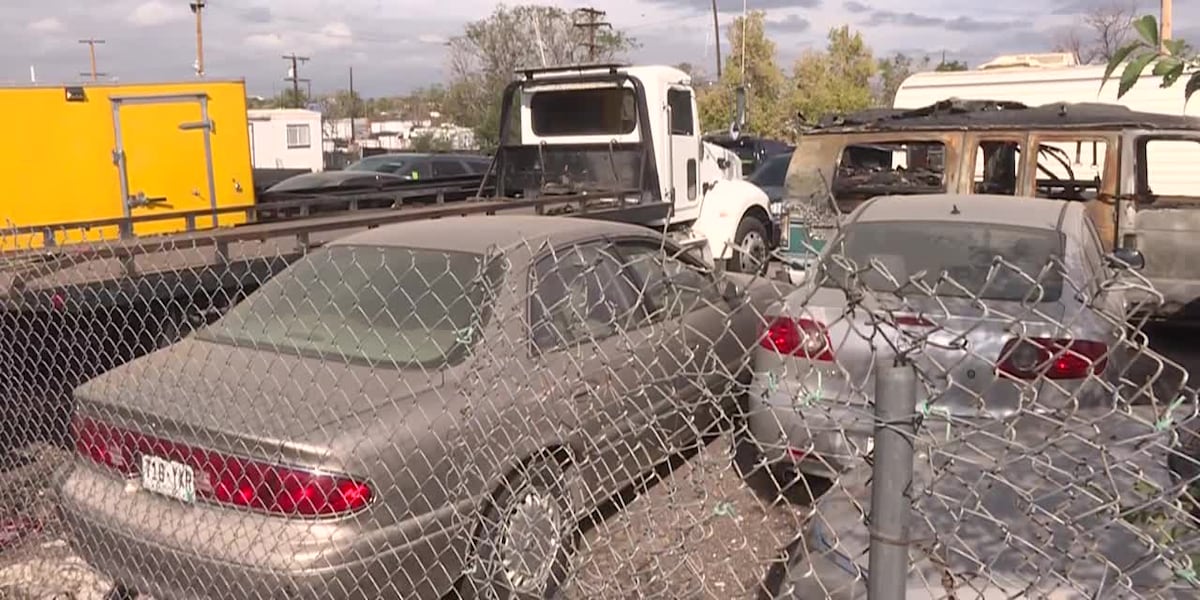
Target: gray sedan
point(414, 409)
point(1002, 301)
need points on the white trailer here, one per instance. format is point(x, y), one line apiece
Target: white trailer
point(1039, 79)
point(286, 138)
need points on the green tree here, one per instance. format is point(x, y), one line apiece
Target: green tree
point(836, 80)
point(1172, 60)
point(766, 84)
point(290, 98)
point(485, 56)
point(430, 142)
point(342, 104)
point(951, 65)
point(892, 72)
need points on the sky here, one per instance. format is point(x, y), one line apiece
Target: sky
point(396, 46)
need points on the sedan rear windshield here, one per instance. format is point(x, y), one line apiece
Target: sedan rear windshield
point(964, 253)
point(403, 307)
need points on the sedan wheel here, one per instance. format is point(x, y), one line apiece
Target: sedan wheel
point(531, 538)
point(525, 541)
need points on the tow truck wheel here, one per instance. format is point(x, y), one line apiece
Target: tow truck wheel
point(750, 254)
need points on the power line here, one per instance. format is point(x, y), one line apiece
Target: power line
point(294, 76)
point(593, 23)
point(197, 7)
point(91, 42)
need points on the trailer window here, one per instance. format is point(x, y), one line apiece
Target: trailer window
point(597, 111)
point(867, 170)
point(1070, 169)
point(298, 136)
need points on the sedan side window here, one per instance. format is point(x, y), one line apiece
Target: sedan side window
point(670, 287)
point(580, 294)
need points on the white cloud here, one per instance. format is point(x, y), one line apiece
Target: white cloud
point(333, 35)
point(429, 38)
point(47, 25)
point(267, 41)
point(157, 12)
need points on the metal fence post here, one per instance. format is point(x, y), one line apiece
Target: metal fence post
point(891, 477)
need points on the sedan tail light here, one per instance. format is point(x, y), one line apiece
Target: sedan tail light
point(222, 478)
point(1030, 358)
point(797, 337)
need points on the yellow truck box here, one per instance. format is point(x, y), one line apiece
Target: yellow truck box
point(91, 152)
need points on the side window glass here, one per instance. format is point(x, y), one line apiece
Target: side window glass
point(670, 287)
point(680, 102)
point(580, 294)
point(997, 164)
point(417, 171)
point(448, 168)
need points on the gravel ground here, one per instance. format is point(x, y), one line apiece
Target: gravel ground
point(700, 533)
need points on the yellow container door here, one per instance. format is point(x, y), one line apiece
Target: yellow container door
point(164, 159)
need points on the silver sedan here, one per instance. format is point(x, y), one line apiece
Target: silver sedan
point(1001, 301)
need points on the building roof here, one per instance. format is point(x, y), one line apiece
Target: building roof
point(477, 234)
point(283, 113)
point(1012, 211)
point(992, 114)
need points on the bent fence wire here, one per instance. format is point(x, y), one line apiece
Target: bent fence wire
point(597, 420)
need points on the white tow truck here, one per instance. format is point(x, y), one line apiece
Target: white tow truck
point(630, 136)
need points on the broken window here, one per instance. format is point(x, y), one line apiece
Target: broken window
point(997, 164)
point(1070, 169)
point(867, 170)
point(1167, 167)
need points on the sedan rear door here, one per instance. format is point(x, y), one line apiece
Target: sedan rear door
point(690, 349)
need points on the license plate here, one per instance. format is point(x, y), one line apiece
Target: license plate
point(169, 478)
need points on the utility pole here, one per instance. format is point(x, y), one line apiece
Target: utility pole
point(717, 37)
point(294, 76)
point(353, 105)
point(1165, 17)
point(593, 23)
point(91, 42)
point(197, 7)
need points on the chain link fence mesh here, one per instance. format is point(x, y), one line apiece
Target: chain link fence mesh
point(539, 407)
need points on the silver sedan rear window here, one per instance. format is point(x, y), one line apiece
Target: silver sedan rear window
point(958, 259)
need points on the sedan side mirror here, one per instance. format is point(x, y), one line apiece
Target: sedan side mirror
point(1127, 258)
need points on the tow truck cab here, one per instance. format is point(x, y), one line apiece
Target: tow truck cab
point(630, 136)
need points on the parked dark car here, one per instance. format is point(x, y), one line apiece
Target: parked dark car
point(406, 411)
point(753, 150)
point(381, 169)
point(770, 177)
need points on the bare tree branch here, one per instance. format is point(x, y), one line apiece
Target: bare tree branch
point(1102, 31)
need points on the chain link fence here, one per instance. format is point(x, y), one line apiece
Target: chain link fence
point(533, 407)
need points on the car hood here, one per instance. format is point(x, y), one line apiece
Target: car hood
point(253, 400)
point(1035, 503)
